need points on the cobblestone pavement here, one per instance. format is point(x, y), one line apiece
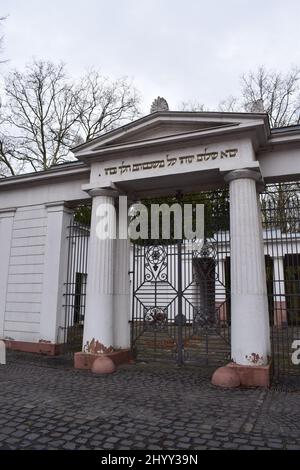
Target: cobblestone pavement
point(46, 404)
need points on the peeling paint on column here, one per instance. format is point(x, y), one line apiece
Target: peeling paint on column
point(255, 358)
point(95, 347)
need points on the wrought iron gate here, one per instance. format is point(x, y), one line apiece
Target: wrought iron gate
point(281, 222)
point(181, 304)
point(75, 286)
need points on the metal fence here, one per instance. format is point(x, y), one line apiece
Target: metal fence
point(75, 286)
point(181, 296)
point(181, 292)
point(281, 228)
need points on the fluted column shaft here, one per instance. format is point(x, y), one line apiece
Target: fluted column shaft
point(98, 323)
point(122, 295)
point(250, 335)
point(122, 307)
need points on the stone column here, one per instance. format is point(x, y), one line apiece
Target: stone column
point(6, 226)
point(98, 322)
point(56, 253)
point(250, 335)
point(122, 305)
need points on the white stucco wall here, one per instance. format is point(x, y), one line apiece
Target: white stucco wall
point(34, 260)
point(25, 274)
point(280, 164)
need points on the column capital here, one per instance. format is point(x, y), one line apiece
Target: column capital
point(108, 192)
point(244, 173)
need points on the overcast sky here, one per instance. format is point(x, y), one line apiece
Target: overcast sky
point(179, 49)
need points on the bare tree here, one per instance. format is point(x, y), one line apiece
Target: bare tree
point(39, 114)
point(191, 105)
point(6, 158)
point(102, 104)
point(230, 104)
point(275, 93)
point(45, 115)
point(10, 163)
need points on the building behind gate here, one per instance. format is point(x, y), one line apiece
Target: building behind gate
point(61, 287)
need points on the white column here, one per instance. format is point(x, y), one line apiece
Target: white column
point(56, 252)
point(98, 322)
point(6, 225)
point(250, 335)
point(122, 295)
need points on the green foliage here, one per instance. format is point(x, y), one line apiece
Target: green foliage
point(216, 212)
point(280, 205)
point(83, 214)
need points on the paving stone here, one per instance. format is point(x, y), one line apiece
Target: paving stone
point(184, 445)
point(138, 445)
point(257, 443)
point(108, 445)
point(39, 447)
point(199, 441)
point(229, 445)
point(214, 443)
point(143, 406)
point(246, 447)
point(19, 434)
point(68, 437)
point(169, 444)
point(146, 433)
point(32, 436)
point(95, 443)
point(69, 446)
point(112, 439)
point(185, 439)
point(12, 440)
point(80, 440)
point(180, 432)
point(126, 443)
point(240, 441)
point(207, 436)
point(45, 440)
point(7, 430)
point(275, 445)
point(57, 443)
point(24, 444)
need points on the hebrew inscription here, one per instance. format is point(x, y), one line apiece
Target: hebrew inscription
point(169, 161)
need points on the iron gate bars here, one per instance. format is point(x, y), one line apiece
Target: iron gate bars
point(75, 286)
point(180, 301)
point(281, 229)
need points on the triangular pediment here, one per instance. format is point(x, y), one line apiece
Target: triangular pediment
point(163, 129)
point(162, 126)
